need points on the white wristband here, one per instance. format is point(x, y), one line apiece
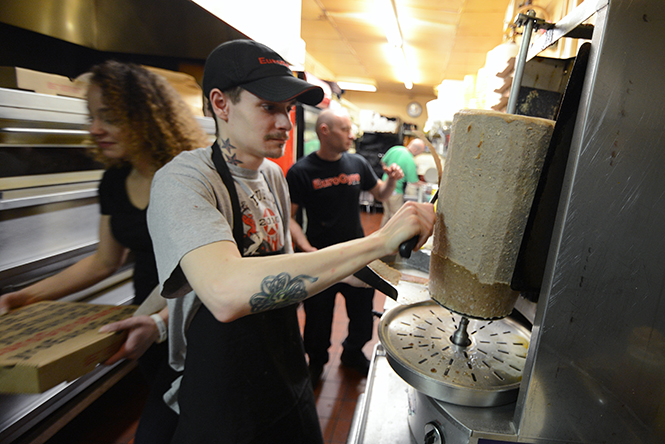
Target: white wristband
point(161, 328)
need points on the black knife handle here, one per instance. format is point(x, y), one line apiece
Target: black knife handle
point(406, 247)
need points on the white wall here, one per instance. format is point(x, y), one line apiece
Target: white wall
point(273, 23)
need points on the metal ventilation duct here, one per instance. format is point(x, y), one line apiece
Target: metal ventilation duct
point(171, 28)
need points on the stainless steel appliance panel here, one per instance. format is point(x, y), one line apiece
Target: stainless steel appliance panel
point(596, 364)
point(49, 215)
point(49, 219)
point(129, 26)
point(32, 235)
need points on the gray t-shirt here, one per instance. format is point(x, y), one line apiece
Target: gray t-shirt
point(189, 208)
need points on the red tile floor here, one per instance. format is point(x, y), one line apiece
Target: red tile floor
point(338, 392)
point(112, 418)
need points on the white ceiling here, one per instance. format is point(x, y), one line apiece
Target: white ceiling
point(448, 39)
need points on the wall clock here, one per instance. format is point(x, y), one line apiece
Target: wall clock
point(414, 109)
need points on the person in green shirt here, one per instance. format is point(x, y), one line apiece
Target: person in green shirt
point(404, 157)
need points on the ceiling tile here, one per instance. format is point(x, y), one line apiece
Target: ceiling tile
point(448, 39)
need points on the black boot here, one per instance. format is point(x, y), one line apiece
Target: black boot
point(356, 360)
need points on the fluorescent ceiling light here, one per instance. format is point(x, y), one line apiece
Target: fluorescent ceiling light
point(407, 76)
point(408, 84)
point(388, 18)
point(397, 58)
point(45, 131)
point(353, 86)
point(387, 14)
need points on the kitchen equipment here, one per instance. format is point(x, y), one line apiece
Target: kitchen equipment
point(370, 277)
point(595, 366)
point(530, 264)
point(454, 359)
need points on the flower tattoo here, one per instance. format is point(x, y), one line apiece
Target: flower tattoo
point(280, 291)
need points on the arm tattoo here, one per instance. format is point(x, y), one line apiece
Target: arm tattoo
point(229, 154)
point(280, 291)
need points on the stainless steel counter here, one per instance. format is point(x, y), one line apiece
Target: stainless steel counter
point(381, 412)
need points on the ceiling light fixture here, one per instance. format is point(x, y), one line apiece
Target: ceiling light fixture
point(401, 65)
point(354, 86)
point(407, 74)
point(388, 19)
point(387, 14)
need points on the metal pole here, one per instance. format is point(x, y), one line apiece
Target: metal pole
point(521, 61)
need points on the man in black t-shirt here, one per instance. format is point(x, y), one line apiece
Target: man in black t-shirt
point(327, 185)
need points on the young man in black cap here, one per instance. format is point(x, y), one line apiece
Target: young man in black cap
point(219, 219)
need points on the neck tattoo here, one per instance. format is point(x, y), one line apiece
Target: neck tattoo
point(228, 152)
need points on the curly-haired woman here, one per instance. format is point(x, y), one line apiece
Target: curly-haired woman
point(139, 123)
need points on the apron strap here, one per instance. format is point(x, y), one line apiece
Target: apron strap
point(225, 174)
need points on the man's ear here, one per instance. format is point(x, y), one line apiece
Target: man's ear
point(219, 103)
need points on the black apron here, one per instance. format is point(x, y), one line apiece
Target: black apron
point(246, 381)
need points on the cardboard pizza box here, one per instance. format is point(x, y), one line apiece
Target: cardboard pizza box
point(44, 344)
point(186, 85)
point(41, 82)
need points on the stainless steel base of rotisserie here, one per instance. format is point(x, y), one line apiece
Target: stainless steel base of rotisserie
point(484, 371)
point(433, 421)
point(417, 363)
point(392, 411)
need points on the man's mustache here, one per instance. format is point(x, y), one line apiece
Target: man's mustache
point(277, 136)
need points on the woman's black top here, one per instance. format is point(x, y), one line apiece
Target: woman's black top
point(130, 228)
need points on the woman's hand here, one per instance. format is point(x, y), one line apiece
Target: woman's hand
point(13, 300)
point(142, 333)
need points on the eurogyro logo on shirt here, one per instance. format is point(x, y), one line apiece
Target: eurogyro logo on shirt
point(342, 179)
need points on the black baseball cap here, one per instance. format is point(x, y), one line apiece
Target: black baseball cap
point(259, 70)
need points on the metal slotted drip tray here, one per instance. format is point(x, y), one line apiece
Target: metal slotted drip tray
point(485, 373)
